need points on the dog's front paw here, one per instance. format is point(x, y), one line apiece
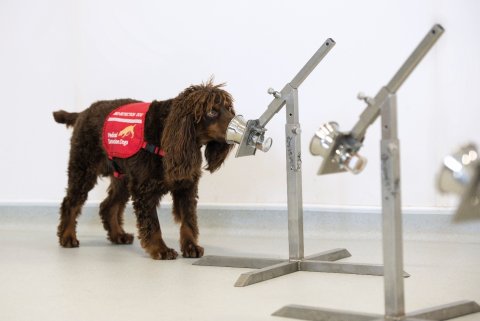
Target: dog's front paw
point(163, 254)
point(192, 250)
point(122, 238)
point(69, 241)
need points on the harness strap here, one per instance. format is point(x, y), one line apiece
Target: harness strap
point(116, 169)
point(151, 148)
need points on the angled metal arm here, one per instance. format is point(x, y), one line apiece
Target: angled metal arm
point(425, 45)
point(280, 98)
point(256, 127)
point(371, 113)
point(312, 63)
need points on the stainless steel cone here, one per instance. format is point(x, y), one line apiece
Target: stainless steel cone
point(236, 130)
point(324, 139)
point(460, 174)
point(458, 170)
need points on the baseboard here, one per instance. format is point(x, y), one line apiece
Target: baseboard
point(258, 207)
point(271, 219)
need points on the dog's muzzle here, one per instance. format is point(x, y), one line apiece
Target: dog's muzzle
point(237, 129)
point(334, 146)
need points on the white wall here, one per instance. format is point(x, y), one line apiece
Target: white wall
point(64, 54)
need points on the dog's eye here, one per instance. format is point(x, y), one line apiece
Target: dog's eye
point(212, 113)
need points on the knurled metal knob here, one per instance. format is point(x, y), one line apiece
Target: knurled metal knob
point(369, 100)
point(273, 92)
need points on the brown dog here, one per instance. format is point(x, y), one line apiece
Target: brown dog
point(197, 117)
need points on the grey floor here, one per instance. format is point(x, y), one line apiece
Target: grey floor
point(99, 281)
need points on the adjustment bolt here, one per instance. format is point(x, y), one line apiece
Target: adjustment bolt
point(273, 92)
point(367, 99)
point(296, 130)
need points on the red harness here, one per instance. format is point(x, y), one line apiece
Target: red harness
point(123, 133)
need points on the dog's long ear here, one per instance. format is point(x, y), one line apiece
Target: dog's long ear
point(215, 154)
point(183, 159)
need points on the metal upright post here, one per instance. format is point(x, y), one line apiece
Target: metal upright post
point(294, 178)
point(392, 211)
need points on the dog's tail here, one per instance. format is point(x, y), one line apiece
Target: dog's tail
point(63, 117)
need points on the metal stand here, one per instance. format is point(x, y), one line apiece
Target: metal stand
point(385, 105)
point(392, 246)
point(321, 262)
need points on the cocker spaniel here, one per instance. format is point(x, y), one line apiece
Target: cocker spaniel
point(170, 160)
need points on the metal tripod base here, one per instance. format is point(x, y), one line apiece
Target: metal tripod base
point(272, 268)
point(442, 312)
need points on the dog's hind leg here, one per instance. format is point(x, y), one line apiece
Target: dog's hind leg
point(185, 213)
point(83, 169)
point(80, 182)
point(111, 211)
point(146, 197)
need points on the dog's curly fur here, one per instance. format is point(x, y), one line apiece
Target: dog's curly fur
point(197, 117)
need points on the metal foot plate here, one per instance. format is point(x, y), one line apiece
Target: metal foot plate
point(236, 262)
point(447, 311)
point(439, 313)
point(343, 267)
point(319, 314)
point(266, 273)
point(330, 255)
